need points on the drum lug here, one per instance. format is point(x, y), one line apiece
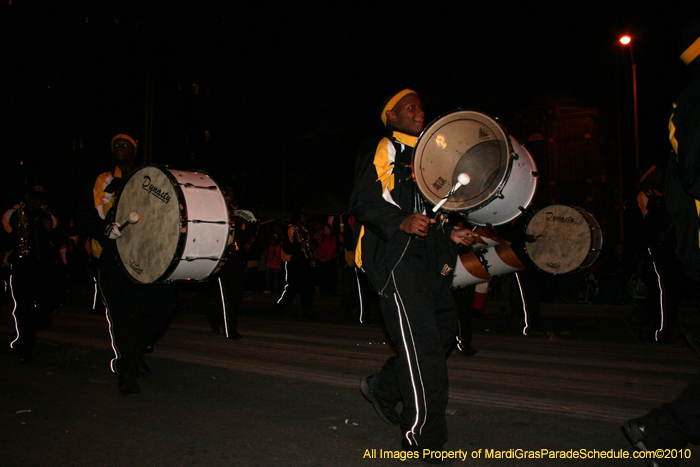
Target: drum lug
point(522, 209)
point(515, 156)
point(535, 173)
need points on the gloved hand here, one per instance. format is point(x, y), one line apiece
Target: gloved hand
point(112, 231)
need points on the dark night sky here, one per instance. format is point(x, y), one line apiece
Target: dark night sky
point(277, 75)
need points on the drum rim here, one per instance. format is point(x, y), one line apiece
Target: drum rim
point(180, 248)
point(506, 174)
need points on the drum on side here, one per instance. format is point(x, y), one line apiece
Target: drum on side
point(479, 265)
point(183, 229)
point(568, 239)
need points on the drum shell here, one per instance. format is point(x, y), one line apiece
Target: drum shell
point(482, 264)
point(501, 260)
point(185, 239)
point(516, 193)
point(572, 243)
point(469, 271)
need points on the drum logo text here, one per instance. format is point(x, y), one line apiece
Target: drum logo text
point(147, 185)
point(553, 265)
point(439, 184)
point(551, 217)
point(134, 266)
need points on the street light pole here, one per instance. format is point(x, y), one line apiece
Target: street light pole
point(626, 40)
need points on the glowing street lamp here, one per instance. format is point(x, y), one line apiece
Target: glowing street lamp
point(627, 40)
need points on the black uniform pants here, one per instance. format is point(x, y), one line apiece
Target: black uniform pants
point(422, 325)
point(138, 314)
point(661, 273)
point(229, 288)
point(37, 291)
point(298, 280)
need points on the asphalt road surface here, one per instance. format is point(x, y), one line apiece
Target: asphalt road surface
point(287, 393)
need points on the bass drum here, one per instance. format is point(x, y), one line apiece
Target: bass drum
point(183, 231)
point(503, 173)
point(567, 239)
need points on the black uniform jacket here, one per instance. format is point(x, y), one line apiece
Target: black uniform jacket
point(682, 188)
point(383, 195)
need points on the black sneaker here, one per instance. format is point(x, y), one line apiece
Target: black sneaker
point(385, 411)
point(128, 385)
point(635, 432)
point(467, 351)
point(234, 336)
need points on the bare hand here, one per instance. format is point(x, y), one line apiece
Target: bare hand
point(463, 237)
point(416, 224)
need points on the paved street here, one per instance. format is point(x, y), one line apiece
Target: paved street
point(287, 393)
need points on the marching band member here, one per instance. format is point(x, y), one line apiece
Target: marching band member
point(298, 263)
point(137, 313)
point(409, 259)
point(37, 274)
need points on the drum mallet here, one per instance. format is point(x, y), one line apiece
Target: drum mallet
point(462, 180)
point(133, 219)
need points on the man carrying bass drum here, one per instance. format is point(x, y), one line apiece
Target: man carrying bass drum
point(409, 259)
point(138, 314)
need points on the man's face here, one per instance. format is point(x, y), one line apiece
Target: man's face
point(123, 152)
point(407, 115)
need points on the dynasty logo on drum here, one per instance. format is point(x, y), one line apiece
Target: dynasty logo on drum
point(147, 185)
point(134, 266)
point(551, 217)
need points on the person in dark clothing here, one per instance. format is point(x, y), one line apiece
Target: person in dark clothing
point(522, 314)
point(228, 286)
point(298, 263)
point(138, 314)
point(37, 277)
point(229, 283)
point(674, 425)
point(409, 259)
point(357, 294)
point(464, 298)
point(659, 264)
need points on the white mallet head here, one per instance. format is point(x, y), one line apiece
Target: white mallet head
point(464, 179)
point(134, 217)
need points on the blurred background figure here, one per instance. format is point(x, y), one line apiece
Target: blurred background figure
point(273, 259)
point(37, 279)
